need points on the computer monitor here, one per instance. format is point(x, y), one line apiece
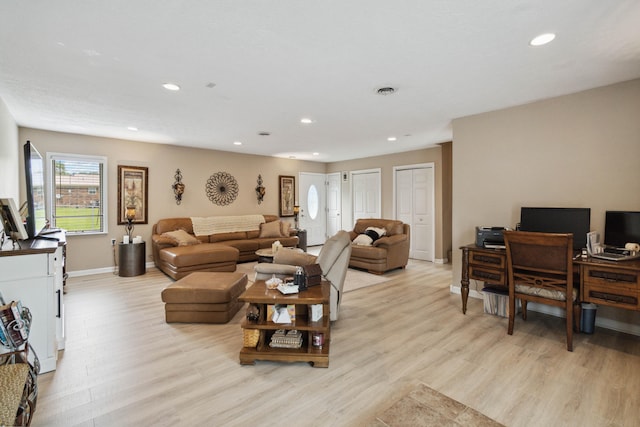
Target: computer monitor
point(621, 227)
point(558, 220)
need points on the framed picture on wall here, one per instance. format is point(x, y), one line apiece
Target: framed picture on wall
point(287, 194)
point(133, 189)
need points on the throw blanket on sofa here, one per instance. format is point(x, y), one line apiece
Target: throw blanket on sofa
point(204, 226)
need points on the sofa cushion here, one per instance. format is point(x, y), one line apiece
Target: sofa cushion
point(391, 226)
point(271, 229)
point(222, 237)
point(181, 238)
point(206, 253)
point(285, 228)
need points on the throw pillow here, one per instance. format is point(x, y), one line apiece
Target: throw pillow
point(285, 229)
point(270, 229)
point(370, 235)
point(181, 238)
point(362, 240)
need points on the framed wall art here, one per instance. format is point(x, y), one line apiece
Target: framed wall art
point(133, 189)
point(287, 194)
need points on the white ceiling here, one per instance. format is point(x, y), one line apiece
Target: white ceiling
point(97, 66)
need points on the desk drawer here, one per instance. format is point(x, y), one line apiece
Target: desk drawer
point(488, 260)
point(611, 295)
point(488, 275)
point(612, 286)
point(615, 278)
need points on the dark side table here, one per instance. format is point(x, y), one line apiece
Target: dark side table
point(131, 259)
point(302, 239)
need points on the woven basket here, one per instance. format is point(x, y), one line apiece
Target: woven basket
point(250, 338)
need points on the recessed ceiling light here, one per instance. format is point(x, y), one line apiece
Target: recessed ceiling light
point(306, 120)
point(542, 39)
point(237, 143)
point(171, 86)
point(316, 154)
point(392, 138)
point(132, 128)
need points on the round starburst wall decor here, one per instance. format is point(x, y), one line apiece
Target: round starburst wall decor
point(222, 188)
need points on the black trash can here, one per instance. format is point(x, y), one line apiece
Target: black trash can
point(588, 318)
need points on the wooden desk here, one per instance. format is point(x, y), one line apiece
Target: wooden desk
point(610, 283)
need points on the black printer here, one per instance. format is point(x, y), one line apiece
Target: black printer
point(490, 237)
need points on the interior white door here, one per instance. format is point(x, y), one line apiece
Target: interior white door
point(415, 206)
point(366, 188)
point(312, 200)
point(334, 203)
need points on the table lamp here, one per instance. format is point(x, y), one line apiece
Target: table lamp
point(130, 214)
point(296, 211)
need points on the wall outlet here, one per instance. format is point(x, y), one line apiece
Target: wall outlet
point(113, 242)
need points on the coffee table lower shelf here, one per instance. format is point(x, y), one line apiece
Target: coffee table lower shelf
point(317, 358)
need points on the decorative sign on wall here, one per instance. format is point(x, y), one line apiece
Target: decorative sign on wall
point(222, 188)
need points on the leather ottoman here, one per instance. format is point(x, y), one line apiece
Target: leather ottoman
point(204, 297)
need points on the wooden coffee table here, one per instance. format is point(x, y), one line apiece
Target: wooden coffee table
point(310, 352)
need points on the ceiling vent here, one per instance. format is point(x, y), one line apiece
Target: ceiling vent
point(388, 90)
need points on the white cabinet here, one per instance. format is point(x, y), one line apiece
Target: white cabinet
point(34, 275)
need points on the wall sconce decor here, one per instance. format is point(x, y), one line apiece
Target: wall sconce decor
point(260, 190)
point(130, 215)
point(178, 187)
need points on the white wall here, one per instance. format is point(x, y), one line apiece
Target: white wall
point(9, 171)
point(579, 150)
point(197, 165)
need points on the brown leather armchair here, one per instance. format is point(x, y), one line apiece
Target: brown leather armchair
point(387, 252)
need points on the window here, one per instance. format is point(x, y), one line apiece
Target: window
point(78, 184)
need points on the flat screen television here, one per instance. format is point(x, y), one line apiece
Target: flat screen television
point(621, 227)
point(558, 220)
point(34, 178)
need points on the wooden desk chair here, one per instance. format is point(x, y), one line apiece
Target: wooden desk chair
point(540, 269)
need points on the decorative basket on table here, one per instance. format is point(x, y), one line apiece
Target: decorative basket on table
point(251, 337)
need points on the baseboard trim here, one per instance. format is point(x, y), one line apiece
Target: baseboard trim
point(102, 270)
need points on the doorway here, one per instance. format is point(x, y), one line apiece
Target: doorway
point(366, 189)
point(312, 201)
point(414, 205)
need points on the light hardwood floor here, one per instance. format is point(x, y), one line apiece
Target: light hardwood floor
point(123, 365)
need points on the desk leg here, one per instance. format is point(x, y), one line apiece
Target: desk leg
point(464, 290)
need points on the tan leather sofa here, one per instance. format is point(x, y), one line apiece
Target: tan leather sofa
point(386, 253)
point(215, 252)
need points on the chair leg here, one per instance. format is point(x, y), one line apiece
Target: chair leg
point(569, 325)
point(523, 302)
point(577, 315)
point(512, 314)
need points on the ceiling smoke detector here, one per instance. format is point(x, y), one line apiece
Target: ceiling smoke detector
point(388, 90)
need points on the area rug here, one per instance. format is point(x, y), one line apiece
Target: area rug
point(355, 279)
point(424, 406)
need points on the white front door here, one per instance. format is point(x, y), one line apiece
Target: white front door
point(366, 194)
point(334, 203)
point(313, 216)
point(415, 206)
